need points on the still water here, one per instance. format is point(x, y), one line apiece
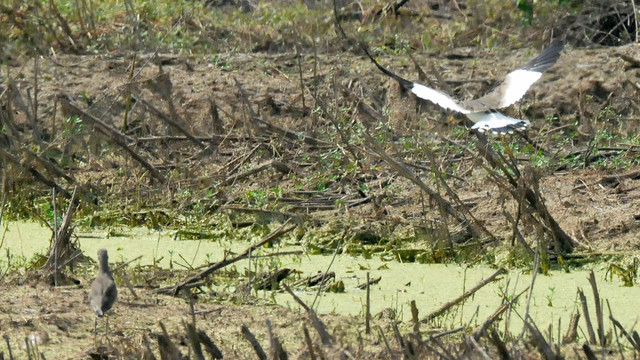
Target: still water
point(553, 299)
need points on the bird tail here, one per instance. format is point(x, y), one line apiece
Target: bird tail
point(497, 123)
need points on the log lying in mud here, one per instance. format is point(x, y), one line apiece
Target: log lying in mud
point(270, 281)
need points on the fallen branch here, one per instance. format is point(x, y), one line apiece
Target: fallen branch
point(293, 135)
point(169, 121)
point(196, 280)
point(50, 166)
point(462, 297)
point(369, 283)
point(119, 138)
point(614, 180)
point(276, 164)
point(35, 173)
point(496, 314)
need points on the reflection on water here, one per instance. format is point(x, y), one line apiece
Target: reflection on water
point(554, 297)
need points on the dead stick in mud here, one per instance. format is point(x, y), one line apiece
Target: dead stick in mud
point(196, 279)
point(572, 330)
point(587, 318)
point(307, 340)
point(536, 267)
point(168, 350)
point(315, 320)
point(193, 340)
point(368, 311)
point(386, 343)
point(599, 314)
point(624, 332)
point(476, 348)
point(401, 343)
point(7, 338)
point(275, 347)
point(470, 292)
point(589, 354)
point(414, 318)
point(119, 138)
point(493, 317)
point(539, 341)
point(500, 345)
point(254, 342)
point(615, 332)
point(62, 249)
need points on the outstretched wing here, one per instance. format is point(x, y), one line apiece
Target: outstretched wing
point(424, 92)
point(517, 82)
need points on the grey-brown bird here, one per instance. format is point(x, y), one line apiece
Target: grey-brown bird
point(103, 289)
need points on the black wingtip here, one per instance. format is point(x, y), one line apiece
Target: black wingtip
point(404, 82)
point(546, 59)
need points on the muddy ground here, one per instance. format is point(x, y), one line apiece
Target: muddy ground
point(61, 319)
point(587, 94)
point(248, 109)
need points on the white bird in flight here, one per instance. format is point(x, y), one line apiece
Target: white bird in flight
point(482, 111)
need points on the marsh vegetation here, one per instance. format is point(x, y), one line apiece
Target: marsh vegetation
point(264, 191)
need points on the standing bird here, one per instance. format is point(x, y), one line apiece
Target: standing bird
point(103, 289)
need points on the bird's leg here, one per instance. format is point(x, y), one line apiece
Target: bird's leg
point(95, 332)
point(106, 330)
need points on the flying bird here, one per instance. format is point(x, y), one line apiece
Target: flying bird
point(482, 111)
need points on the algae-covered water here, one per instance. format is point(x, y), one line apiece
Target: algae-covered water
point(553, 299)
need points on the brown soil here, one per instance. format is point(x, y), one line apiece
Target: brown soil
point(60, 316)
